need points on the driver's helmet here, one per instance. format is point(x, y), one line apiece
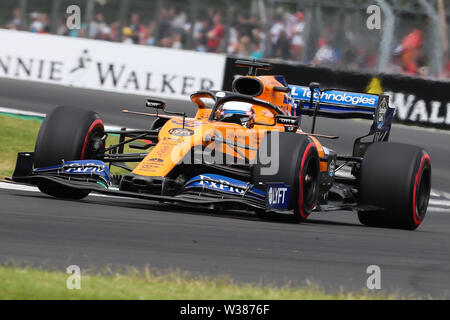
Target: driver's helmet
point(237, 111)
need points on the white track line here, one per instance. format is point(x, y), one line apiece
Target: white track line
point(22, 112)
point(17, 186)
point(42, 115)
point(437, 202)
point(24, 187)
point(437, 209)
point(440, 194)
point(434, 193)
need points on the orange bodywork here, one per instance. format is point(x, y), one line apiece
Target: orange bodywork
point(173, 147)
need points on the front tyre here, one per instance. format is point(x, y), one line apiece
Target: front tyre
point(298, 167)
point(67, 133)
point(396, 177)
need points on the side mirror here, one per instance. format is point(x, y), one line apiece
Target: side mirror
point(314, 85)
point(282, 89)
point(156, 104)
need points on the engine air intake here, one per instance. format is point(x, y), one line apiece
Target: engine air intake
point(249, 86)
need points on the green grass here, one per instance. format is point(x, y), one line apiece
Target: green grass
point(28, 283)
point(19, 134)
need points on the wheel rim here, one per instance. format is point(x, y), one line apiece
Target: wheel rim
point(423, 194)
point(95, 144)
point(310, 183)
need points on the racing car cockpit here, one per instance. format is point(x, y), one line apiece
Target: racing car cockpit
point(225, 106)
point(238, 112)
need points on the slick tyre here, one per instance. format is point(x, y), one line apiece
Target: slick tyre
point(298, 167)
point(396, 177)
point(67, 133)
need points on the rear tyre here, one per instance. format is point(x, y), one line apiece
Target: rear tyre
point(67, 133)
point(298, 161)
point(396, 177)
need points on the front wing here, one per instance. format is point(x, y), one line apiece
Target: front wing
point(206, 190)
point(93, 175)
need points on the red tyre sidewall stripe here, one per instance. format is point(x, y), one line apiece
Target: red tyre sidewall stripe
point(416, 218)
point(86, 139)
point(300, 183)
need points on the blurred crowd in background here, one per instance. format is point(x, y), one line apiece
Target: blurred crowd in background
point(340, 43)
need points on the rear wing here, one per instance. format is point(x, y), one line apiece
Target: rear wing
point(341, 104)
point(336, 103)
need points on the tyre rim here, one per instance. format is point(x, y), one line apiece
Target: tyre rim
point(423, 194)
point(309, 183)
point(95, 145)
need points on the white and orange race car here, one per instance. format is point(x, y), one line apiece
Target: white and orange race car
point(244, 149)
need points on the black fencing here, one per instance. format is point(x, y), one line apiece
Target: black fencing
point(418, 101)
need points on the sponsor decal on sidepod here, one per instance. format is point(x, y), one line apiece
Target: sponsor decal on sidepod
point(278, 196)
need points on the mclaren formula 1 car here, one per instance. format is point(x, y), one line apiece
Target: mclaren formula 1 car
point(245, 150)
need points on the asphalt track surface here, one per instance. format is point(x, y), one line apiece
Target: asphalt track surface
point(331, 249)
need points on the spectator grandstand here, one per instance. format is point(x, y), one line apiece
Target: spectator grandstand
point(322, 33)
